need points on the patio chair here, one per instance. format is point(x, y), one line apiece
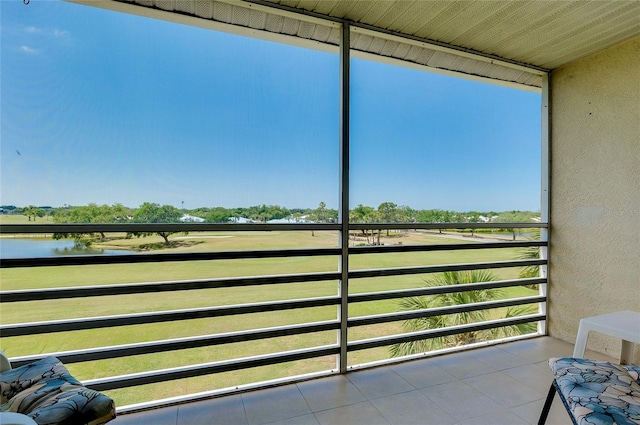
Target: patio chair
point(595, 392)
point(44, 392)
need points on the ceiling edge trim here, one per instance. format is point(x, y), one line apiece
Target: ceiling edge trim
point(433, 44)
point(210, 24)
point(359, 54)
point(268, 7)
point(421, 44)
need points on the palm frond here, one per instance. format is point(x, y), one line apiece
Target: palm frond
point(529, 253)
point(443, 300)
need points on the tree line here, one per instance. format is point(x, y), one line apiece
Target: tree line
point(386, 212)
point(148, 212)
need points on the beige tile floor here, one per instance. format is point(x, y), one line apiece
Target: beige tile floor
point(502, 384)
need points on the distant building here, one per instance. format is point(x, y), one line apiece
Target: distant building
point(191, 219)
point(289, 220)
point(484, 219)
point(7, 209)
point(240, 220)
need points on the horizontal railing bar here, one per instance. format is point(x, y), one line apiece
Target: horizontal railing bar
point(75, 260)
point(436, 333)
point(399, 271)
point(410, 226)
point(152, 377)
point(446, 289)
point(162, 316)
point(441, 311)
point(237, 227)
point(153, 347)
point(161, 227)
point(146, 287)
point(442, 247)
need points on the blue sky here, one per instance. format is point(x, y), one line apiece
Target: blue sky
point(103, 107)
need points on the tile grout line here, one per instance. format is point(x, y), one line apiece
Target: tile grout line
point(402, 392)
point(244, 409)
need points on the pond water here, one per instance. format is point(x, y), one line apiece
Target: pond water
point(34, 248)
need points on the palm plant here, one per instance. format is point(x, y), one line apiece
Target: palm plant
point(453, 299)
point(522, 328)
point(530, 253)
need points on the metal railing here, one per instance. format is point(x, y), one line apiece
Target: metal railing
point(30, 329)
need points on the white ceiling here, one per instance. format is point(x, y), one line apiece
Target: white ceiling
point(512, 41)
point(546, 34)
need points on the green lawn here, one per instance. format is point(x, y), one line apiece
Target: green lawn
point(23, 219)
point(32, 278)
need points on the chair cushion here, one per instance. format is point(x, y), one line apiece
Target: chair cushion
point(45, 391)
point(598, 393)
point(634, 371)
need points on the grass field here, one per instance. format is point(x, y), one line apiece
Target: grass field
point(23, 219)
point(36, 278)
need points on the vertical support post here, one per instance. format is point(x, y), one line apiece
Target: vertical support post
point(345, 46)
point(545, 188)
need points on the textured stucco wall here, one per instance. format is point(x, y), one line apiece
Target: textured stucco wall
point(594, 259)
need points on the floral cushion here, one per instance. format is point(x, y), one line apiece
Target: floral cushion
point(598, 393)
point(634, 371)
point(45, 391)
